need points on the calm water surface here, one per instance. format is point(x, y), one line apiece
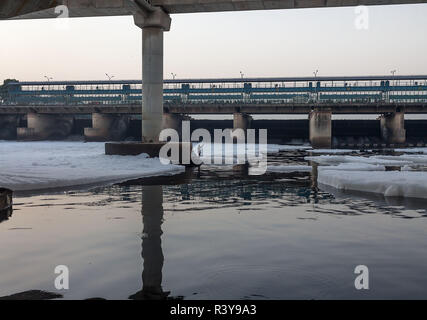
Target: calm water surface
point(219, 234)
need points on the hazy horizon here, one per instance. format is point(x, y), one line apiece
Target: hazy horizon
point(208, 45)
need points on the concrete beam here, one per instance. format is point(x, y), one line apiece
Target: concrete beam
point(107, 127)
point(393, 127)
point(24, 9)
point(219, 108)
point(46, 127)
point(42, 9)
point(321, 129)
point(190, 6)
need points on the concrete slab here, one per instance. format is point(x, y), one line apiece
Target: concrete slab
point(152, 149)
point(133, 148)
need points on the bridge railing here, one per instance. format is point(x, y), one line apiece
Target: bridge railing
point(243, 92)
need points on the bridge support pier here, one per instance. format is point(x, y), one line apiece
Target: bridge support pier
point(393, 127)
point(320, 129)
point(46, 127)
point(153, 25)
point(241, 121)
point(8, 126)
point(107, 127)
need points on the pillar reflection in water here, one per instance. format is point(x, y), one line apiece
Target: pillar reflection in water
point(314, 183)
point(5, 204)
point(152, 253)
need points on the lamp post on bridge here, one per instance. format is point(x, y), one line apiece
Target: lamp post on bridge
point(393, 72)
point(173, 78)
point(315, 83)
point(109, 79)
point(48, 82)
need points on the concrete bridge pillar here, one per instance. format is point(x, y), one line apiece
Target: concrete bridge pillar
point(46, 127)
point(393, 127)
point(321, 129)
point(241, 121)
point(8, 126)
point(107, 127)
point(153, 24)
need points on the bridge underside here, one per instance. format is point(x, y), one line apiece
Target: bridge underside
point(24, 9)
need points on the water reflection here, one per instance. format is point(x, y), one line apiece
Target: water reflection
point(5, 214)
point(152, 253)
point(5, 204)
point(251, 196)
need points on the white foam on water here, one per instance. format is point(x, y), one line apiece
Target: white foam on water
point(354, 167)
point(337, 159)
point(332, 151)
point(388, 183)
point(290, 168)
point(40, 165)
point(368, 174)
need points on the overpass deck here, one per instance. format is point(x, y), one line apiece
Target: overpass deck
point(223, 108)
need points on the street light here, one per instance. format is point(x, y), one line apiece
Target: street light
point(48, 81)
point(109, 78)
point(315, 73)
point(173, 77)
point(393, 72)
point(315, 83)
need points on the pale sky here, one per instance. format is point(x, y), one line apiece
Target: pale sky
point(259, 43)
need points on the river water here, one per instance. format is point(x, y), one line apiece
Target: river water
point(215, 234)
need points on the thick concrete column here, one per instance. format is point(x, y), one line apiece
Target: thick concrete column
point(241, 121)
point(8, 126)
point(393, 127)
point(107, 127)
point(320, 129)
point(153, 24)
point(46, 127)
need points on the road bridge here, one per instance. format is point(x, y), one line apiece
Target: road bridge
point(153, 17)
point(112, 104)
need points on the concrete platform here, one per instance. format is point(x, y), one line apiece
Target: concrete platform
point(152, 149)
point(133, 148)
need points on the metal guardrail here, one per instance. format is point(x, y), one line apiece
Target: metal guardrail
point(363, 89)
